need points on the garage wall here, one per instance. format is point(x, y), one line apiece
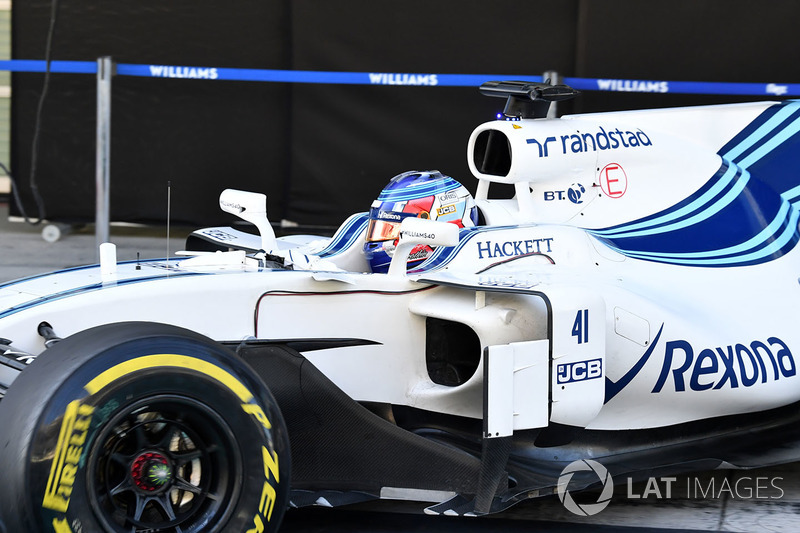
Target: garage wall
point(5, 93)
point(321, 152)
point(199, 136)
point(684, 40)
point(348, 141)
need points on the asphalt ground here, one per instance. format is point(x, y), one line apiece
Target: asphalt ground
point(734, 503)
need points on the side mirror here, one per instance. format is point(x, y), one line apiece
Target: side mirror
point(415, 231)
point(251, 207)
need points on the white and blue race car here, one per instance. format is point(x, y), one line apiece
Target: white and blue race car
point(622, 288)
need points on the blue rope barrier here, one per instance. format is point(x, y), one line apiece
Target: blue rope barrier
point(405, 79)
point(685, 87)
point(308, 76)
point(38, 65)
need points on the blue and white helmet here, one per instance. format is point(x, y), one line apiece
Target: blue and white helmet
point(428, 194)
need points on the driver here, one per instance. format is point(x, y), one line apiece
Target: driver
point(427, 194)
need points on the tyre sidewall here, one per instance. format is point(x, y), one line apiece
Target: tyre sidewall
point(99, 382)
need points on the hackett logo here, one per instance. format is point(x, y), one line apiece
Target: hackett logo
point(491, 250)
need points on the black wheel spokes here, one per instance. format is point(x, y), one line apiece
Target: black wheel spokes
point(157, 473)
point(140, 436)
point(182, 458)
point(170, 431)
point(183, 485)
point(160, 504)
point(124, 486)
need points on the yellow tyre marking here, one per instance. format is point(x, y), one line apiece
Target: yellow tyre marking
point(173, 361)
point(67, 454)
point(70, 442)
point(60, 525)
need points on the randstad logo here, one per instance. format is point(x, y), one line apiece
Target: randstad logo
point(585, 509)
point(600, 140)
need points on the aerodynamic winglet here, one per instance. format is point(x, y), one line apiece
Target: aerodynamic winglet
point(527, 99)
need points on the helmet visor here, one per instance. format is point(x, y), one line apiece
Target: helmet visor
point(382, 230)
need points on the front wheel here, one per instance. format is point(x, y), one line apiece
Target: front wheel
point(141, 426)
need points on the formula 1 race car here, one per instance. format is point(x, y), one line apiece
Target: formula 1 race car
point(631, 303)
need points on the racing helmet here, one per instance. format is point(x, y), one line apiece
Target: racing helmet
point(428, 194)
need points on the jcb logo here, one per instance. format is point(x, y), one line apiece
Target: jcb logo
point(446, 210)
point(579, 371)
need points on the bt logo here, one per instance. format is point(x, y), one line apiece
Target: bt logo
point(574, 194)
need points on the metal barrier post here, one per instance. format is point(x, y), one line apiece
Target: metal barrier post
point(555, 79)
point(105, 69)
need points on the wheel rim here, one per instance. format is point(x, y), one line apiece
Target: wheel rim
point(167, 463)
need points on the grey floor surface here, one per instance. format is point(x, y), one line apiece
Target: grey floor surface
point(24, 252)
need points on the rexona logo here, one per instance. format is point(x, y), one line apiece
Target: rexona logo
point(731, 367)
point(378, 78)
point(601, 140)
point(163, 71)
point(388, 215)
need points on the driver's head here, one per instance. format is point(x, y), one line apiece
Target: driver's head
point(428, 194)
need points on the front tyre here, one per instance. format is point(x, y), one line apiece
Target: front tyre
point(141, 426)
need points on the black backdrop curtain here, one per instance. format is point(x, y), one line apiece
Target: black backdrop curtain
point(322, 152)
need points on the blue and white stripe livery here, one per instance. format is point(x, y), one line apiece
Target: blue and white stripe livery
point(746, 214)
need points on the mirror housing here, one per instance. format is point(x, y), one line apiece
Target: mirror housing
point(416, 231)
point(251, 207)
